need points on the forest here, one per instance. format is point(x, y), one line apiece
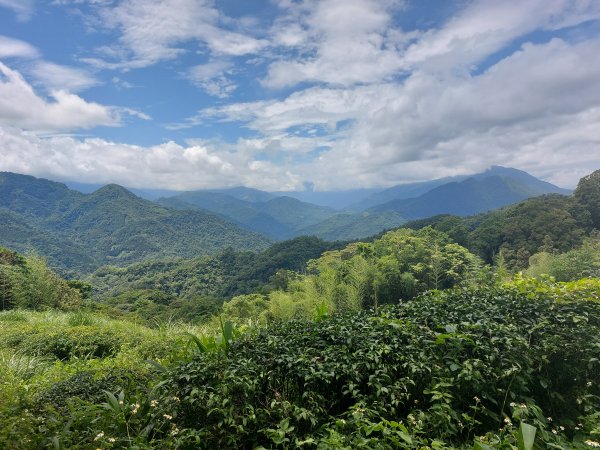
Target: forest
point(452, 332)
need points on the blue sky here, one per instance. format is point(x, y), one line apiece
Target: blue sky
point(279, 94)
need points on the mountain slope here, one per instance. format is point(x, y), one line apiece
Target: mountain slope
point(349, 226)
point(522, 181)
point(491, 190)
point(112, 224)
point(279, 217)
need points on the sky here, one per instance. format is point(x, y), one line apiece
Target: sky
point(287, 95)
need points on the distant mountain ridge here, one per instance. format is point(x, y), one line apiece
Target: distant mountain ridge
point(493, 189)
point(112, 225)
point(414, 190)
point(108, 226)
point(284, 217)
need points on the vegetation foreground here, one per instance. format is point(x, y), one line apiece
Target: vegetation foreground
point(497, 366)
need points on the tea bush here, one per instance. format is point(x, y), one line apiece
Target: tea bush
point(483, 367)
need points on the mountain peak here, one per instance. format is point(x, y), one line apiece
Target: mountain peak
point(113, 191)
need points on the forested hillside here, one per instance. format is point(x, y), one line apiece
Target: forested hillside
point(110, 226)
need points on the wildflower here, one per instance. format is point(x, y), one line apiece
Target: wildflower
point(99, 436)
point(176, 399)
point(174, 430)
point(121, 402)
point(554, 431)
point(523, 405)
point(167, 416)
point(561, 428)
point(588, 384)
point(513, 404)
point(111, 439)
point(592, 443)
point(507, 421)
point(135, 408)
point(549, 419)
point(154, 403)
point(477, 399)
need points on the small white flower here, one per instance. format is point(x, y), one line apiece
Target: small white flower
point(167, 416)
point(112, 440)
point(554, 431)
point(99, 436)
point(135, 408)
point(592, 443)
point(561, 428)
point(513, 404)
point(154, 403)
point(588, 384)
point(549, 419)
point(507, 421)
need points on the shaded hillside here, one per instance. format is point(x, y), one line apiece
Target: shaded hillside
point(112, 225)
point(222, 275)
point(352, 226)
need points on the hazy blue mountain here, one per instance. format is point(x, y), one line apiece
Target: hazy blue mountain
point(247, 194)
point(339, 200)
point(112, 224)
point(278, 217)
point(414, 190)
point(490, 190)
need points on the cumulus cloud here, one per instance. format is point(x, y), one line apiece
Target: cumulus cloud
point(21, 107)
point(167, 165)
point(340, 42)
point(371, 104)
point(521, 112)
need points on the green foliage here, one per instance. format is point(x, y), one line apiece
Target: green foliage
point(29, 283)
point(398, 266)
point(587, 196)
point(511, 366)
point(574, 264)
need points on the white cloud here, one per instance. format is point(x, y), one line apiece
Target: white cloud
point(57, 77)
point(522, 112)
point(486, 26)
point(168, 165)
point(152, 31)
point(212, 78)
point(21, 107)
point(10, 47)
point(23, 8)
point(340, 42)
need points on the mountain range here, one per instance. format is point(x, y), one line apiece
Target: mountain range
point(284, 217)
point(112, 225)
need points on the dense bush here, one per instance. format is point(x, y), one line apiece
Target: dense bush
point(444, 370)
